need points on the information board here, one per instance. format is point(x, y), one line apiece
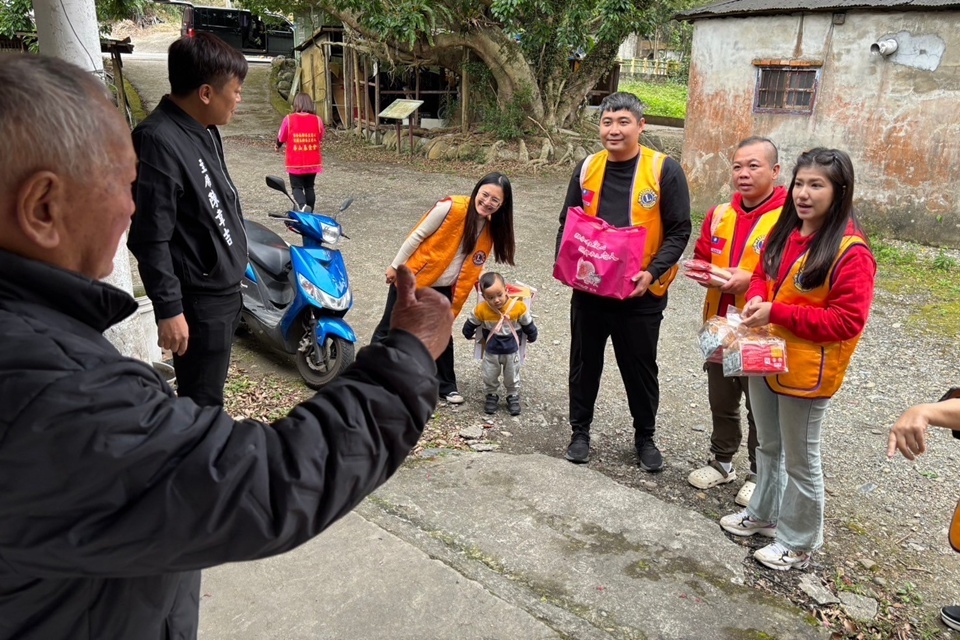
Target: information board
point(400, 109)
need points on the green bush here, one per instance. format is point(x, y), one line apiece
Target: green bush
point(507, 122)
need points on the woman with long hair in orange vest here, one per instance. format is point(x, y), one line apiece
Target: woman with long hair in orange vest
point(302, 131)
point(813, 286)
point(447, 250)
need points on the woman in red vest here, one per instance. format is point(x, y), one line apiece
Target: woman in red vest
point(447, 250)
point(813, 286)
point(302, 131)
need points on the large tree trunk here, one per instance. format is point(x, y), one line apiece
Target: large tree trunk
point(591, 69)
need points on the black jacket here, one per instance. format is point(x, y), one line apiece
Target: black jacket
point(187, 233)
point(114, 493)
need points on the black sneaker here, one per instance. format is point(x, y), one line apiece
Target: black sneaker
point(579, 450)
point(951, 617)
point(491, 402)
point(513, 405)
point(650, 458)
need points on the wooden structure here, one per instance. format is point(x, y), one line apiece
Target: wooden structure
point(350, 88)
point(116, 48)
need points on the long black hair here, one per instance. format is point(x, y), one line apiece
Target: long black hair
point(501, 222)
point(838, 169)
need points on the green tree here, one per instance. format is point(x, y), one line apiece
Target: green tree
point(528, 46)
point(17, 15)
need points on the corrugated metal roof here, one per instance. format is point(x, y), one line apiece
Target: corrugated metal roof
point(729, 8)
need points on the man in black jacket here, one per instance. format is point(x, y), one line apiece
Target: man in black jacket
point(114, 493)
point(188, 233)
point(625, 185)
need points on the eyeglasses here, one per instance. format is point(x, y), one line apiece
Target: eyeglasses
point(491, 199)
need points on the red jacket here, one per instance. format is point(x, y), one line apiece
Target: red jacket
point(745, 222)
point(848, 305)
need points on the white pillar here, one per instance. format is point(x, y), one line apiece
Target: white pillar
point(67, 29)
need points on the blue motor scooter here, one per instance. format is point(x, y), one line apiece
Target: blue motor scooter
point(294, 298)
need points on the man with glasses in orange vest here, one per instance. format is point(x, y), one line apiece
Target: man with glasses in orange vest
point(731, 238)
point(626, 184)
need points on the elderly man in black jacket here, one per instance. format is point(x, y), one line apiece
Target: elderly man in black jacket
point(114, 493)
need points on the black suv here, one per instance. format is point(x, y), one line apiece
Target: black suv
point(270, 35)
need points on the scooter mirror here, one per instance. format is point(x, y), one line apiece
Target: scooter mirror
point(346, 203)
point(277, 184)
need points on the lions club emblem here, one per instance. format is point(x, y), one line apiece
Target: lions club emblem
point(647, 198)
point(479, 258)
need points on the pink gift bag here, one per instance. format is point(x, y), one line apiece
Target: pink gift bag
point(597, 257)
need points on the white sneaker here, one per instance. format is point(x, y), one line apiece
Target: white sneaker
point(776, 556)
point(741, 524)
point(454, 397)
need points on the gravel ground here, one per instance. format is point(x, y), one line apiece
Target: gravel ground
point(886, 521)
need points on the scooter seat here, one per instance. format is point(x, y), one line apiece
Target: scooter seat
point(267, 249)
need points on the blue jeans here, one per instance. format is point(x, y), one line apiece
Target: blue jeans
point(789, 473)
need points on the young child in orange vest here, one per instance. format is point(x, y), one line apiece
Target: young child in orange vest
point(502, 319)
point(731, 238)
point(813, 286)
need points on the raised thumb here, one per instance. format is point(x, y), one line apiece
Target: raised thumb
point(406, 285)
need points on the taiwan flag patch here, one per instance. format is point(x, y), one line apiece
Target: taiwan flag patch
point(587, 196)
point(717, 244)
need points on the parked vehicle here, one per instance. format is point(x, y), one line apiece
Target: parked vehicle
point(295, 297)
point(269, 35)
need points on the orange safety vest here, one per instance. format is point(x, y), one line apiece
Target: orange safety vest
point(303, 142)
point(815, 369)
point(722, 225)
point(645, 209)
point(437, 251)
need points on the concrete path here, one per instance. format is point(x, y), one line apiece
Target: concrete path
point(255, 115)
point(500, 546)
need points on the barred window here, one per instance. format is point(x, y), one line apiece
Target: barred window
point(789, 88)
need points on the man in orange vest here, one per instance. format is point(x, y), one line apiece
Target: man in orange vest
point(626, 184)
point(731, 238)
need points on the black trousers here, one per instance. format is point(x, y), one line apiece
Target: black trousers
point(302, 186)
point(635, 337)
point(445, 370)
point(202, 370)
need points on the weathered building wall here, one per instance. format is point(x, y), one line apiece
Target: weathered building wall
point(897, 116)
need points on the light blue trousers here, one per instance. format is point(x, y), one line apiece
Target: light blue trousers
point(789, 472)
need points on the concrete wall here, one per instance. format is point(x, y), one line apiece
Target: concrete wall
point(898, 117)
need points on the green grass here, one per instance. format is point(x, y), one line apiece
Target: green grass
point(933, 285)
point(662, 98)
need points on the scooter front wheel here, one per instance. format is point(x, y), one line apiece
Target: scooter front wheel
point(336, 355)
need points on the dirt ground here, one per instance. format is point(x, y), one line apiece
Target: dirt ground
point(886, 521)
point(891, 513)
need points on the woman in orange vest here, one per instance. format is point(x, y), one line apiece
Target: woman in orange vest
point(447, 250)
point(302, 131)
point(813, 286)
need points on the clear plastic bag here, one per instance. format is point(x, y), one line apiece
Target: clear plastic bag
point(755, 352)
point(717, 333)
point(705, 273)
